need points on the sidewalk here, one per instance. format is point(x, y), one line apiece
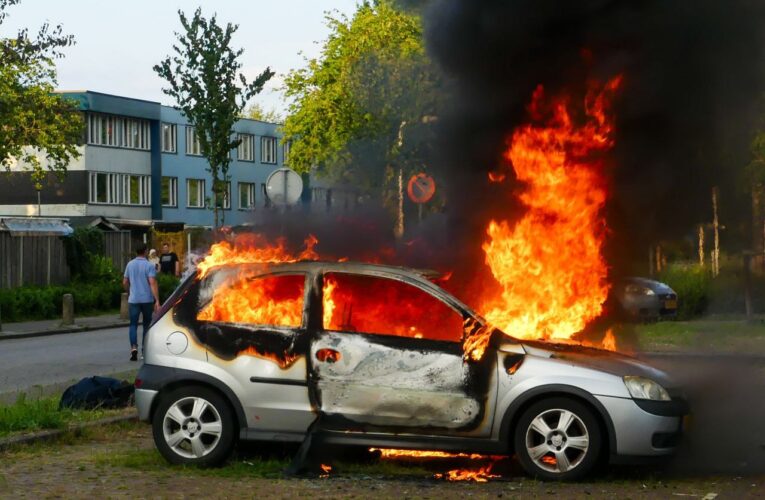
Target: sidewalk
point(25, 329)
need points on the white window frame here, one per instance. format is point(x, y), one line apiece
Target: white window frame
point(226, 197)
point(250, 195)
point(268, 150)
point(286, 152)
point(169, 137)
point(172, 191)
point(118, 131)
point(192, 142)
point(200, 190)
point(246, 149)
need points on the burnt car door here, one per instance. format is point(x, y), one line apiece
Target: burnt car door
point(252, 323)
point(389, 358)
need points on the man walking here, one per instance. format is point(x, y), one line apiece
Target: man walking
point(140, 282)
point(168, 261)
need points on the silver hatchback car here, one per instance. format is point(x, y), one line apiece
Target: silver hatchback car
point(373, 355)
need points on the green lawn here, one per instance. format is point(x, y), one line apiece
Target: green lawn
point(42, 413)
point(724, 335)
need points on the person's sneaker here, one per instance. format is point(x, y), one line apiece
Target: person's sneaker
point(134, 355)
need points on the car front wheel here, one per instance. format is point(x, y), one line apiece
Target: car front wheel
point(558, 439)
point(195, 426)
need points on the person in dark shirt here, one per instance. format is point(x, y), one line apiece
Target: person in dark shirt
point(168, 261)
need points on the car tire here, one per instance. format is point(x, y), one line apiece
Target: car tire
point(553, 448)
point(194, 426)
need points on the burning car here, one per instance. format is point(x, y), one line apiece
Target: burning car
point(376, 355)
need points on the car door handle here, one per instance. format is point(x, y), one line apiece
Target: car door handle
point(326, 355)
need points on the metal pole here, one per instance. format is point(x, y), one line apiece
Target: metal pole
point(39, 205)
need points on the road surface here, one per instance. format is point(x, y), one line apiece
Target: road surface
point(58, 359)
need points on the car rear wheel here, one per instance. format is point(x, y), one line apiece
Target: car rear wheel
point(195, 426)
point(558, 439)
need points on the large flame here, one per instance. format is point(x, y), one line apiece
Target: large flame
point(549, 264)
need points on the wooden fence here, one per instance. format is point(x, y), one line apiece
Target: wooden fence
point(41, 260)
point(32, 260)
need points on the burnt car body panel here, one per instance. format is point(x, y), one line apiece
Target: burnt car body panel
point(383, 390)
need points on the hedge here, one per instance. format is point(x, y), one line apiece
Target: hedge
point(34, 302)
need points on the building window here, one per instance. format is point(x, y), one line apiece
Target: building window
point(169, 138)
point(192, 142)
point(268, 149)
point(286, 151)
point(224, 200)
point(246, 195)
point(245, 149)
point(135, 189)
point(118, 131)
point(195, 193)
point(119, 189)
point(169, 191)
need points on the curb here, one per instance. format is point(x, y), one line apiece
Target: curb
point(703, 355)
point(59, 331)
point(49, 435)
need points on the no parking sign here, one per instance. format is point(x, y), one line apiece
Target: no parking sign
point(421, 188)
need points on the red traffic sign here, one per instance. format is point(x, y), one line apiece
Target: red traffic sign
point(421, 188)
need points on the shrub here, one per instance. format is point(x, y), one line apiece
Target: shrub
point(167, 284)
point(30, 302)
point(692, 284)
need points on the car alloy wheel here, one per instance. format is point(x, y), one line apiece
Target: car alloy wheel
point(194, 425)
point(558, 439)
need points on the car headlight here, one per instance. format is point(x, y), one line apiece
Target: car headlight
point(638, 290)
point(645, 388)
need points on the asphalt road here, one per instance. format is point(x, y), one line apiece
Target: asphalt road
point(56, 359)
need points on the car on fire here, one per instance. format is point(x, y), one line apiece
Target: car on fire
point(374, 355)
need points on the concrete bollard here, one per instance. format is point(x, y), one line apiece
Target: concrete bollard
point(67, 313)
point(124, 306)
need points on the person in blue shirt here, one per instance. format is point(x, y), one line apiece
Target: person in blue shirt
point(140, 281)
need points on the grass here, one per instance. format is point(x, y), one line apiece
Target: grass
point(725, 334)
point(36, 414)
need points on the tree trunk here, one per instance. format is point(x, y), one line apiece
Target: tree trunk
point(716, 226)
point(701, 245)
point(399, 230)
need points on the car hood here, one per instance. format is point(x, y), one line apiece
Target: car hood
point(598, 359)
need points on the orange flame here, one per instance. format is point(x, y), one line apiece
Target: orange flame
point(481, 475)
point(549, 264)
point(609, 341)
point(393, 453)
point(254, 249)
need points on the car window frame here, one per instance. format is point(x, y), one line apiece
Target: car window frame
point(432, 290)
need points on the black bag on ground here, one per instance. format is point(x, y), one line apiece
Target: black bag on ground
point(97, 392)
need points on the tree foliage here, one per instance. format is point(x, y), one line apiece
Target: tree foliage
point(257, 112)
point(363, 107)
point(205, 81)
point(39, 130)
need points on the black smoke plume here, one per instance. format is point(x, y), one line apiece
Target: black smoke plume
point(693, 71)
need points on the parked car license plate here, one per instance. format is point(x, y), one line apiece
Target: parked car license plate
point(670, 304)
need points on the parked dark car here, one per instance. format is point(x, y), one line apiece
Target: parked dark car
point(643, 299)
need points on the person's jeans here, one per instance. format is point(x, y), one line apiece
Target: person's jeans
point(146, 309)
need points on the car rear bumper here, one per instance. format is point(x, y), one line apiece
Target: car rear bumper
point(143, 401)
point(646, 428)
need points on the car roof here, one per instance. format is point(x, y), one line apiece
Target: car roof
point(346, 266)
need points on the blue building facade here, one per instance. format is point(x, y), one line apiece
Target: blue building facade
point(140, 160)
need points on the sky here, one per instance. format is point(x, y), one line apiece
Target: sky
point(117, 43)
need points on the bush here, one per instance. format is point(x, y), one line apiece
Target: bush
point(692, 284)
point(30, 302)
point(167, 284)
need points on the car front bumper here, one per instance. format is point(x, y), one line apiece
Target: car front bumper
point(645, 428)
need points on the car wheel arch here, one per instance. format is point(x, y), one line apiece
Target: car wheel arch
point(227, 394)
point(517, 407)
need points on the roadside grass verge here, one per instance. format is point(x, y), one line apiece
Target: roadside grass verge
point(35, 414)
point(722, 335)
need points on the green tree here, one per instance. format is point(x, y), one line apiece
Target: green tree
point(205, 81)
point(257, 112)
point(361, 111)
point(39, 130)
